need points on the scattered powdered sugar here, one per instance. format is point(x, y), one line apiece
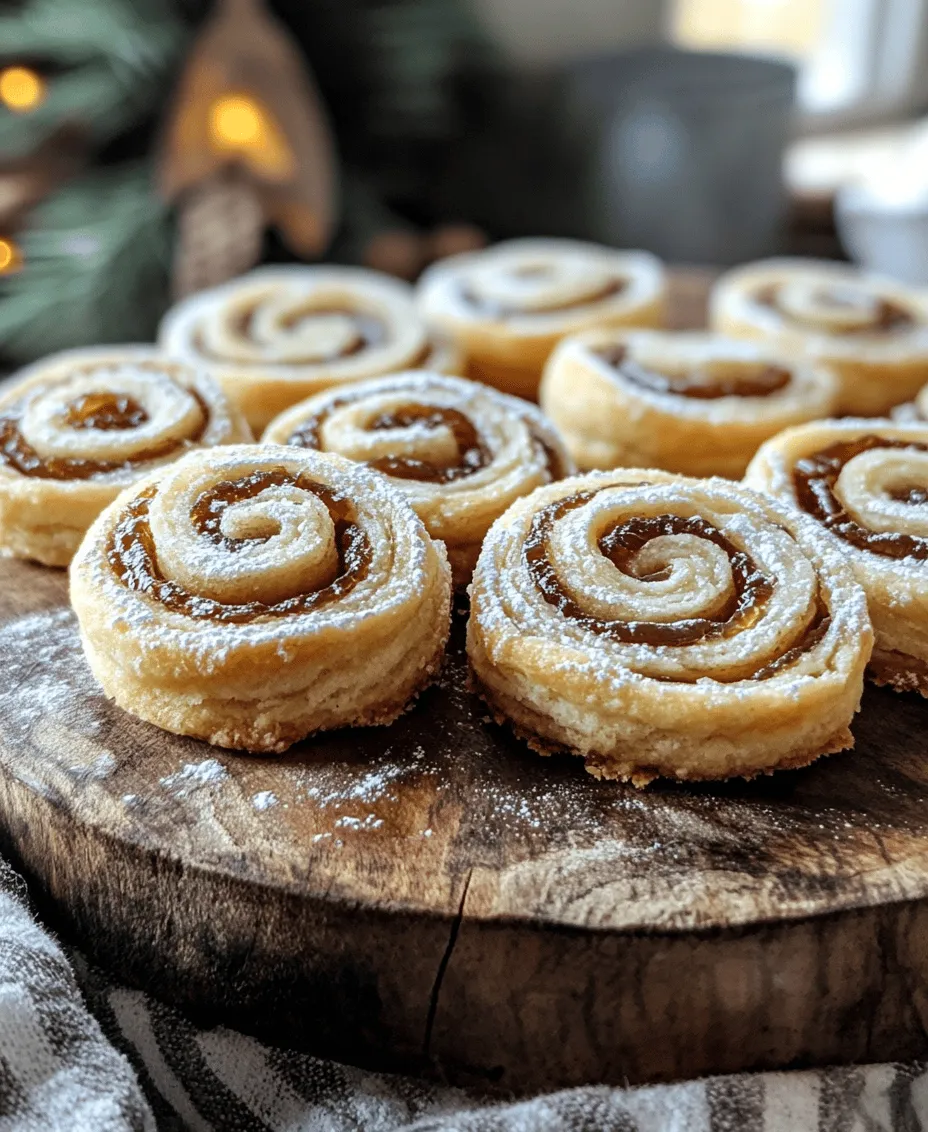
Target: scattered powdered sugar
point(195, 776)
point(372, 785)
point(46, 675)
point(264, 800)
point(347, 821)
point(101, 768)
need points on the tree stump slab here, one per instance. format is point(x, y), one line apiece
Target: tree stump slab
point(434, 895)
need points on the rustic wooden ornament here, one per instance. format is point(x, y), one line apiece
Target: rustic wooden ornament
point(245, 102)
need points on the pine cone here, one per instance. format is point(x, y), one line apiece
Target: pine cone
point(220, 233)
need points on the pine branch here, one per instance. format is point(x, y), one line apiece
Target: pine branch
point(95, 267)
point(106, 63)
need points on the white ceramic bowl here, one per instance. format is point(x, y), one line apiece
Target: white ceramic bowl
point(884, 228)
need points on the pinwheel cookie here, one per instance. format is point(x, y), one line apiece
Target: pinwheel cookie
point(253, 595)
point(865, 483)
point(79, 426)
point(460, 452)
point(695, 403)
point(871, 331)
point(508, 306)
point(279, 334)
point(659, 625)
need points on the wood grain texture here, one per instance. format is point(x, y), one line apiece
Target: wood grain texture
point(433, 896)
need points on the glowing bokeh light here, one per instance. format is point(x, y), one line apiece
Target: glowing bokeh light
point(241, 128)
point(10, 258)
point(21, 89)
point(236, 120)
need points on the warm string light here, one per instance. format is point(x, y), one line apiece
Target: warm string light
point(11, 259)
point(21, 89)
point(239, 125)
point(235, 120)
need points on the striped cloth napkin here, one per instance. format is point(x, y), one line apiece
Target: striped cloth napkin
point(81, 1054)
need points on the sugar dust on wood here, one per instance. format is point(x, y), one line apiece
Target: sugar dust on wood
point(195, 776)
point(452, 791)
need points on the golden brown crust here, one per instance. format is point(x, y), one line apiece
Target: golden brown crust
point(280, 737)
point(612, 618)
point(842, 740)
point(606, 766)
point(261, 594)
point(694, 403)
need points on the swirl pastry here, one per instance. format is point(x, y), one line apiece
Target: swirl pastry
point(79, 426)
point(250, 596)
point(700, 404)
point(659, 625)
point(508, 306)
point(459, 452)
point(871, 331)
point(279, 334)
point(866, 485)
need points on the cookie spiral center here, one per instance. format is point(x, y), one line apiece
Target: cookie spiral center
point(284, 326)
point(102, 419)
point(528, 284)
point(266, 544)
point(839, 308)
point(650, 551)
point(406, 440)
point(870, 492)
point(105, 411)
point(728, 601)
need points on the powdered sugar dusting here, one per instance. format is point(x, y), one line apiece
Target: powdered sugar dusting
point(43, 661)
point(195, 776)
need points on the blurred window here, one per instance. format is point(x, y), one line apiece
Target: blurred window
point(859, 60)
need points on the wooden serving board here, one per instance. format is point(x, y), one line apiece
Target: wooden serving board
point(434, 895)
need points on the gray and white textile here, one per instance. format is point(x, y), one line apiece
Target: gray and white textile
point(130, 1064)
